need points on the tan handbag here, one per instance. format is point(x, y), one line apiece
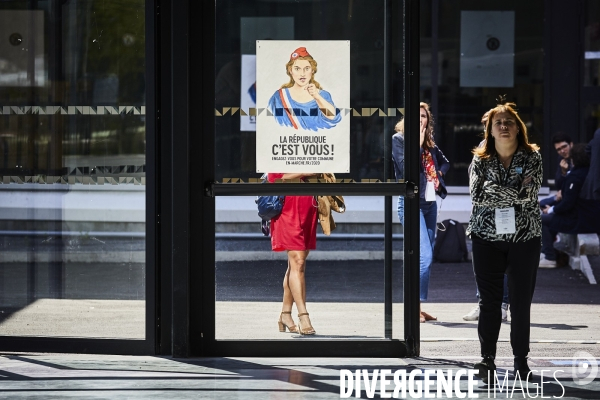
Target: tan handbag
point(326, 204)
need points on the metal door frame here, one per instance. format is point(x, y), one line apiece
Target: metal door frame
point(193, 188)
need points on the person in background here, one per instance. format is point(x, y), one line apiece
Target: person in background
point(295, 231)
point(573, 214)
point(562, 144)
point(591, 186)
point(433, 166)
point(505, 228)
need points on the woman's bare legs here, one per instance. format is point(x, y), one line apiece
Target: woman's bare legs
point(297, 284)
point(288, 300)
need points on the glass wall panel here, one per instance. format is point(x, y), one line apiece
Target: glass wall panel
point(361, 23)
point(472, 52)
point(591, 120)
point(591, 67)
point(72, 168)
point(344, 275)
point(591, 43)
point(256, 44)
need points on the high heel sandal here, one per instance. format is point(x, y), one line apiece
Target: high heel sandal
point(306, 331)
point(427, 317)
point(282, 325)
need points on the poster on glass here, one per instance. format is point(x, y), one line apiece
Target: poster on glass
point(302, 96)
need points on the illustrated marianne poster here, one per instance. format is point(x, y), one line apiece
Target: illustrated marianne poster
point(302, 98)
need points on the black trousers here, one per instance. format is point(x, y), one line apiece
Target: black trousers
point(520, 262)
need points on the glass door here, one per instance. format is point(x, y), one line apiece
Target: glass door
point(590, 97)
point(306, 92)
point(73, 262)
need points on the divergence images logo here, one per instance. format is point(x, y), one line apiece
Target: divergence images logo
point(585, 368)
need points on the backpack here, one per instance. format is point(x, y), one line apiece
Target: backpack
point(451, 243)
point(269, 207)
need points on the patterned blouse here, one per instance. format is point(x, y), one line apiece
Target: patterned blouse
point(492, 186)
point(429, 168)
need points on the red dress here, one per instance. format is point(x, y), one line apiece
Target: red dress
point(296, 227)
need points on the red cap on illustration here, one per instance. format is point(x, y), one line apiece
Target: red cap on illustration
point(299, 52)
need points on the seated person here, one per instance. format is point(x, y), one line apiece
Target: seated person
point(591, 186)
point(562, 144)
point(572, 214)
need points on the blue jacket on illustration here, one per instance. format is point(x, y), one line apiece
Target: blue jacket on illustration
point(288, 112)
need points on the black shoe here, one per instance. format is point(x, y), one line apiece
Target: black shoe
point(485, 369)
point(523, 369)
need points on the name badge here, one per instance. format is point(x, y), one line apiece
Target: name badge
point(430, 191)
point(505, 220)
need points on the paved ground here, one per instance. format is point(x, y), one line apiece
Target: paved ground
point(345, 301)
point(73, 376)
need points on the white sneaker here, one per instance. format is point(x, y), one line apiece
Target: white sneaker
point(504, 312)
point(544, 263)
point(473, 315)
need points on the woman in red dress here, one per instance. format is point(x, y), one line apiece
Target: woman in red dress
point(295, 231)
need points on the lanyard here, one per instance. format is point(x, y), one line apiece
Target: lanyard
point(505, 173)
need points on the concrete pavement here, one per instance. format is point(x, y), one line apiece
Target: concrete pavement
point(346, 302)
point(74, 376)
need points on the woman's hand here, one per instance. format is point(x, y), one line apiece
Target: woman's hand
point(313, 91)
point(422, 135)
point(297, 175)
point(327, 108)
point(545, 210)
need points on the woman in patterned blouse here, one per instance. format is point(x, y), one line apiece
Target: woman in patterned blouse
point(433, 168)
point(505, 227)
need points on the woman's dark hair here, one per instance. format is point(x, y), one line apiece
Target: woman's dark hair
point(488, 149)
point(579, 156)
point(560, 137)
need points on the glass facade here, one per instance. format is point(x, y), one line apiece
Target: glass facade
point(591, 43)
point(345, 274)
point(75, 216)
point(591, 67)
point(454, 45)
point(241, 24)
point(72, 185)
